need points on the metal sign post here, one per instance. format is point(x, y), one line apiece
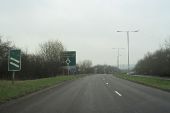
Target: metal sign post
point(68, 62)
point(13, 77)
point(14, 62)
point(68, 69)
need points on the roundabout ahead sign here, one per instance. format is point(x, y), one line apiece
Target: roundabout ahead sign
point(68, 58)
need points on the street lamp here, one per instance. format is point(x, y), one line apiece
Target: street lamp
point(118, 55)
point(128, 43)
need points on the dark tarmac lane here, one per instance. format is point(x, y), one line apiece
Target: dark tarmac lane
point(93, 94)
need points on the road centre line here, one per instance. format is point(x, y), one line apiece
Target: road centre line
point(114, 90)
point(118, 93)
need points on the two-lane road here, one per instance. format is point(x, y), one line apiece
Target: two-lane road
point(93, 94)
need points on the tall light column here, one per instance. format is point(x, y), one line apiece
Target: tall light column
point(118, 55)
point(128, 45)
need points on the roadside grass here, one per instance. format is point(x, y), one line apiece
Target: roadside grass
point(10, 91)
point(149, 81)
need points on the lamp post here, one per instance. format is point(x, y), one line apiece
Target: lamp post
point(118, 55)
point(128, 44)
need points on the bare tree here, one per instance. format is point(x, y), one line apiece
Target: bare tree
point(85, 66)
point(51, 50)
point(167, 44)
point(157, 63)
point(5, 46)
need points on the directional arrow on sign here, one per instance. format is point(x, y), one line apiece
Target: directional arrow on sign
point(14, 62)
point(16, 65)
point(13, 59)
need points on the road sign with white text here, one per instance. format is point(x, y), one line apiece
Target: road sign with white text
point(14, 60)
point(69, 58)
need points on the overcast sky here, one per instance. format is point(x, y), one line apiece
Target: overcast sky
point(88, 26)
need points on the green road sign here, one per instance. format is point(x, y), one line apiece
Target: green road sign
point(69, 58)
point(14, 60)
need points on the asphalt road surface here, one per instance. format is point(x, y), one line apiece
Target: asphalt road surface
point(93, 94)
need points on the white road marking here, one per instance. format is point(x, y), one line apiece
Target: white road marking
point(118, 93)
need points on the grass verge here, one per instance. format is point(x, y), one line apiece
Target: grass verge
point(9, 91)
point(149, 81)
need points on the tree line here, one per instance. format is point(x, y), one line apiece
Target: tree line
point(156, 63)
point(85, 67)
point(45, 63)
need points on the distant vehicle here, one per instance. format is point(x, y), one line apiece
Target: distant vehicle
point(131, 73)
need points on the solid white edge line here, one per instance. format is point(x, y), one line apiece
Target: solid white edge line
point(118, 93)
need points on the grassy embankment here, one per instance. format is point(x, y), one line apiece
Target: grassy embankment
point(9, 91)
point(149, 81)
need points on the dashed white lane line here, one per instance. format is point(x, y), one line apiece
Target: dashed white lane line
point(115, 90)
point(118, 93)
